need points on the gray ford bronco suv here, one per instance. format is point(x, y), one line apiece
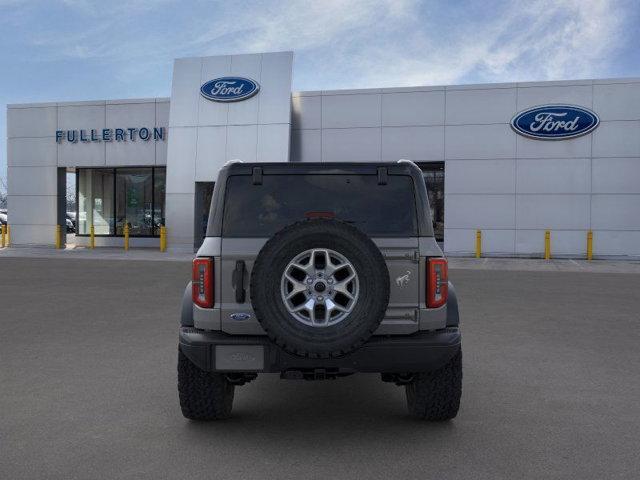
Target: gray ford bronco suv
point(318, 271)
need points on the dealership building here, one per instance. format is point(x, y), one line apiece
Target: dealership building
point(511, 159)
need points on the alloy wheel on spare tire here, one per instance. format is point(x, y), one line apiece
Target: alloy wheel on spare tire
point(320, 288)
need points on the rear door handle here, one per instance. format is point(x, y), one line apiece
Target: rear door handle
point(238, 281)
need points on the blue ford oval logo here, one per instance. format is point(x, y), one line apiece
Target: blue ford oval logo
point(555, 122)
point(240, 316)
point(229, 89)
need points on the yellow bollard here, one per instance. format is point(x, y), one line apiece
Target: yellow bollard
point(163, 238)
point(547, 244)
point(589, 245)
point(92, 237)
point(478, 243)
point(58, 237)
point(8, 234)
point(3, 229)
point(126, 237)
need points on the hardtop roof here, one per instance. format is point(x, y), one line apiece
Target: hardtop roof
point(362, 168)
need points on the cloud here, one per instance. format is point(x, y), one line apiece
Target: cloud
point(543, 40)
point(96, 8)
point(377, 43)
point(357, 43)
point(129, 45)
point(554, 40)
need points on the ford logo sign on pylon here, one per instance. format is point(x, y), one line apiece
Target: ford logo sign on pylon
point(229, 89)
point(555, 122)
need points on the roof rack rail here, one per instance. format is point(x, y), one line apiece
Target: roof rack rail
point(405, 160)
point(232, 161)
point(411, 163)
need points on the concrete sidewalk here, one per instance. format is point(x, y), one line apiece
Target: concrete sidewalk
point(102, 253)
point(540, 265)
point(457, 263)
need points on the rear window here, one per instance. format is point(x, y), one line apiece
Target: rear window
point(262, 210)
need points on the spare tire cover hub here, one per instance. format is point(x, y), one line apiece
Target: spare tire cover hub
point(319, 287)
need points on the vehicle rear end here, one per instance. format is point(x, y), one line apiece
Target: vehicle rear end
point(318, 271)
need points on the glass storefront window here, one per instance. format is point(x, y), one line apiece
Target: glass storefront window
point(111, 198)
point(134, 193)
point(159, 190)
point(95, 201)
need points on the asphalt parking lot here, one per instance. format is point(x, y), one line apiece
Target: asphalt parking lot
point(551, 386)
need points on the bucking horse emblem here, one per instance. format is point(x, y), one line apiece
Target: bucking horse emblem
point(403, 280)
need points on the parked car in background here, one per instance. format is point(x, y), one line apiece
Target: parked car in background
point(71, 222)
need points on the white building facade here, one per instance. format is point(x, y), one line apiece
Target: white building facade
point(152, 162)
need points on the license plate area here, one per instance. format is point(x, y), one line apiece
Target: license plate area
point(241, 358)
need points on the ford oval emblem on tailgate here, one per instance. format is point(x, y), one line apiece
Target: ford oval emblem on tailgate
point(239, 316)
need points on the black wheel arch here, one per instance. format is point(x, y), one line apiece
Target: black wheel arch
point(453, 315)
point(186, 312)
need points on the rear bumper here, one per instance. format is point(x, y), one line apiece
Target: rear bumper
point(420, 352)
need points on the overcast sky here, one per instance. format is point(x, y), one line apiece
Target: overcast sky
point(86, 49)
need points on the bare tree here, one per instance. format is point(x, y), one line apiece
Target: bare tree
point(3, 193)
point(71, 194)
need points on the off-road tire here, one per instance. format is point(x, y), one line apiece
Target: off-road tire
point(435, 396)
point(330, 341)
point(203, 395)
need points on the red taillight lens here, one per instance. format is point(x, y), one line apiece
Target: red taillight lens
point(202, 282)
point(437, 282)
point(312, 215)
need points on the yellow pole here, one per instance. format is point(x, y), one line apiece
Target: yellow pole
point(163, 238)
point(8, 234)
point(92, 237)
point(589, 245)
point(126, 236)
point(547, 244)
point(3, 229)
point(478, 243)
point(58, 236)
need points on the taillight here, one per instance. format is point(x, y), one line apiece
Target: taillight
point(437, 282)
point(202, 282)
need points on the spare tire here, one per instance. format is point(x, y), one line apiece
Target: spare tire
point(320, 288)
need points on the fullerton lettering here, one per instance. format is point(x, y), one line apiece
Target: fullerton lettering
point(548, 122)
point(110, 135)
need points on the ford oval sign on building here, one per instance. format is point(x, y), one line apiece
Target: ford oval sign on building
point(555, 122)
point(229, 89)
